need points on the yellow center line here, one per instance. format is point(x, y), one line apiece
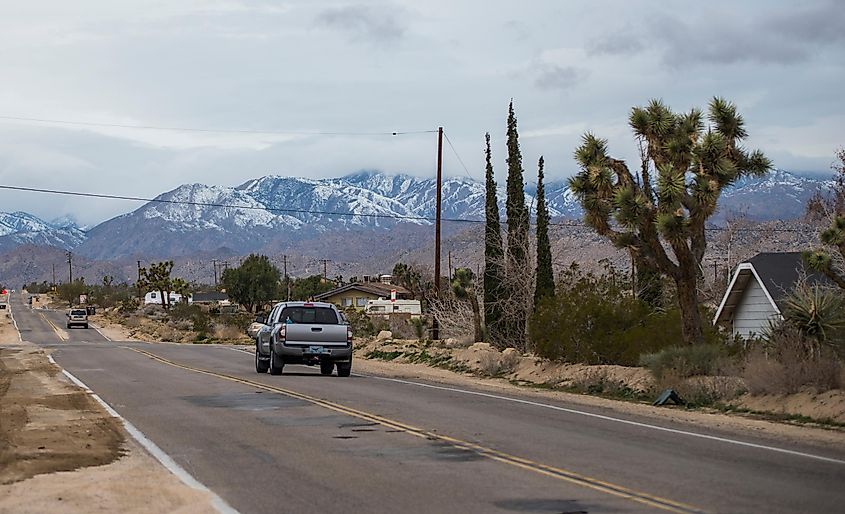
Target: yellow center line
point(490, 453)
point(53, 325)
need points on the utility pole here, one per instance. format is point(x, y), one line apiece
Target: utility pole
point(54, 275)
point(450, 265)
point(70, 267)
point(214, 265)
point(435, 328)
point(138, 283)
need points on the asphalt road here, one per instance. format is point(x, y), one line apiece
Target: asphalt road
point(302, 442)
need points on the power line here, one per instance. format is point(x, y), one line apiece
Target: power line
point(569, 224)
point(217, 131)
point(457, 155)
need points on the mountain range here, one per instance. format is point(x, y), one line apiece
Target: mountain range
point(276, 213)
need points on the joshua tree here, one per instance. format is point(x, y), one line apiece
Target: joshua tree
point(660, 214)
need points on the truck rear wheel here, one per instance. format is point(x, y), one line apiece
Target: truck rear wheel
point(326, 367)
point(344, 369)
point(276, 364)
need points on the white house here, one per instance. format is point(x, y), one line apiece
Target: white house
point(758, 287)
point(154, 298)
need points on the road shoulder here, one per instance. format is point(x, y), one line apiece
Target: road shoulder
point(61, 451)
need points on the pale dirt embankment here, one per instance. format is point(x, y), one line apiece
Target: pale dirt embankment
point(60, 451)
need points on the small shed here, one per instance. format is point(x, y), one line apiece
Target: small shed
point(757, 290)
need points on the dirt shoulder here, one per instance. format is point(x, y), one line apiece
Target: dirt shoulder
point(544, 373)
point(61, 451)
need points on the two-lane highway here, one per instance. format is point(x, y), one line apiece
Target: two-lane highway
point(302, 442)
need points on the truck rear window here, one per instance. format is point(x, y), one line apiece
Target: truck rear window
point(78, 313)
point(314, 315)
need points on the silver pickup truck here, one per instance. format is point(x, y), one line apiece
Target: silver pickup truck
point(304, 333)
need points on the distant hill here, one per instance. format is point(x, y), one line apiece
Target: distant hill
point(355, 213)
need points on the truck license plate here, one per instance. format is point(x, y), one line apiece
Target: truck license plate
point(316, 350)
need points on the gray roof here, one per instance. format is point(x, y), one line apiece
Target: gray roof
point(212, 296)
point(781, 271)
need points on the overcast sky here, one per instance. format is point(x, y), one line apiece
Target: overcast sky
point(306, 66)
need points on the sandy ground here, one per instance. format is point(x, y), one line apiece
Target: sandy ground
point(61, 451)
point(113, 331)
point(700, 417)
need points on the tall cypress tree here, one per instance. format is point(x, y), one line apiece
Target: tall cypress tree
point(545, 281)
point(493, 256)
point(517, 213)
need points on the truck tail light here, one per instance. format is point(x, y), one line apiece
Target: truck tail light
point(349, 335)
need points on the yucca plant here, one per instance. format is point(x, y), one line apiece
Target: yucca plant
point(659, 214)
point(818, 313)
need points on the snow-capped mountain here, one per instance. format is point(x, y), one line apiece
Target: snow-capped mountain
point(275, 212)
point(19, 228)
point(777, 195)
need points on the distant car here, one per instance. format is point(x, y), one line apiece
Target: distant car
point(77, 317)
point(255, 326)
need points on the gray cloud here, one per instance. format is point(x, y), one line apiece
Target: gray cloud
point(552, 76)
point(771, 38)
point(722, 37)
point(382, 23)
point(616, 43)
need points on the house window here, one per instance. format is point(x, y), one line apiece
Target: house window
point(346, 302)
point(360, 302)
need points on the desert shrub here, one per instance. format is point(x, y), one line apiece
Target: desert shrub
point(488, 364)
point(421, 325)
point(129, 304)
point(402, 326)
point(599, 381)
point(687, 361)
point(239, 320)
point(230, 332)
point(783, 365)
point(362, 325)
point(595, 320)
point(701, 391)
point(183, 310)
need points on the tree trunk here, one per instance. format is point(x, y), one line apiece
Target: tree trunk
point(476, 318)
point(690, 315)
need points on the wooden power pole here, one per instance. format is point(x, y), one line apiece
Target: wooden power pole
point(435, 328)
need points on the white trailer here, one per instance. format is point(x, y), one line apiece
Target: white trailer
point(384, 307)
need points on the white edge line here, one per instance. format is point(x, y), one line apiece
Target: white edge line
point(617, 420)
point(606, 418)
point(14, 322)
point(217, 502)
point(95, 327)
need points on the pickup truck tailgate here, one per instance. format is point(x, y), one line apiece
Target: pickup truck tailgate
point(308, 334)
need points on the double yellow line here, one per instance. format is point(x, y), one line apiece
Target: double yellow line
point(490, 453)
point(62, 335)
